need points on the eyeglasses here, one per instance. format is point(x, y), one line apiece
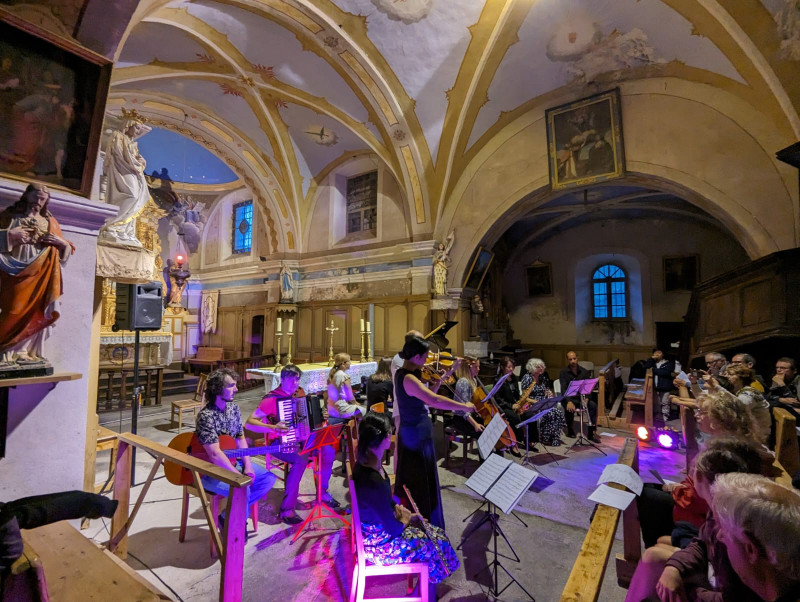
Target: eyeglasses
point(782, 368)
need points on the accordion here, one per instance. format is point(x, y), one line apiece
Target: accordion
point(302, 415)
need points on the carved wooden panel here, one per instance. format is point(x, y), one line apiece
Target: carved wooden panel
point(757, 303)
point(380, 333)
point(396, 326)
point(340, 321)
point(303, 326)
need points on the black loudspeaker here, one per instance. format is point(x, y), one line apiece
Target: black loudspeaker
point(139, 306)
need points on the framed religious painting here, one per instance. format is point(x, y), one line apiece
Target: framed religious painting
point(681, 273)
point(539, 277)
point(52, 98)
point(584, 141)
point(478, 268)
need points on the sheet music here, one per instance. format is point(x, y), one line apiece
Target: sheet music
point(588, 385)
point(491, 433)
point(487, 474)
point(513, 483)
point(622, 475)
point(616, 498)
point(581, 387)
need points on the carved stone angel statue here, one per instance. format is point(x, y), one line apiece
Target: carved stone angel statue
point(127, 188)
point(440, 260)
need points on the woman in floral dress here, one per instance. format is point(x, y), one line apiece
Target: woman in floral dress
point(552, 423)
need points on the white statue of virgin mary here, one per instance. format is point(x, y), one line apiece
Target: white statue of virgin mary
point(127, 188)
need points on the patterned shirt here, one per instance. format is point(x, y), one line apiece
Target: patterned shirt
point(213, 422)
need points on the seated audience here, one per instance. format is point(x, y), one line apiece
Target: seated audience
point(507, 396)
point(552, 423)
point(392, 535)
point(747, 360)
point(720, 413)
point(721, 456)
point(743, 384)
point(379, 385)
point(783, 388)
point(574, 371)
point(760, 527)
point(715, 363)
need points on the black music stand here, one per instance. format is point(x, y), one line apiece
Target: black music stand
point(542, 407)
point(327, 435)
point(493, 517)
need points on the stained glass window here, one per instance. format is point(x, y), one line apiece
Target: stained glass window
point(362, 203)
point(243, 227)
point(610, 293)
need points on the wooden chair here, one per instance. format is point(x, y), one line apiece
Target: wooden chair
point(362, 570)
point(214, 500)
point(451, 435)
point(184, 405)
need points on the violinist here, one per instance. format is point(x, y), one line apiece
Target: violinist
point(553, 422)
point(416, 460)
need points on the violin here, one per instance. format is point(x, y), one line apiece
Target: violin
point(487, 410)
point(437, 366)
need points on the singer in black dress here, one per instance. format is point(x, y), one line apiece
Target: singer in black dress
point(416, 456)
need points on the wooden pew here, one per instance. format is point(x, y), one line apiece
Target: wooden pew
point(787, 454)
point(230, 547)
point(605, 383)
point(645, 399)
point(587, 573)
point(206, 358)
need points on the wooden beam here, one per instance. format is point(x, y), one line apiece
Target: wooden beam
point(583, 584)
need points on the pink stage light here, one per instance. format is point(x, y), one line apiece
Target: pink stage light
point(667, 441)
point(643, 433)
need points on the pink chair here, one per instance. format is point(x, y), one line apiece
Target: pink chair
point(362, 570)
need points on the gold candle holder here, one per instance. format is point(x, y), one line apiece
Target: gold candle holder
point(289, 350)
point(277, 368)
point(369, 347)
point(363, 357)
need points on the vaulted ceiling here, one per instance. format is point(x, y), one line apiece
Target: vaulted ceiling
point(285, 90)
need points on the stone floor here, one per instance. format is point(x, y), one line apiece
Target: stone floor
point(547, 532)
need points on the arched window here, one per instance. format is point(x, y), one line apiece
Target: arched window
point(610, 293)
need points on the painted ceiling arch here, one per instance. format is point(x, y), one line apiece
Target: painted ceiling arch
point(425, 84)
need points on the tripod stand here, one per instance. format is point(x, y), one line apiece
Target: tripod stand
point(582, 441)
point(486, 518)
point(495, 565)
point(546, 407)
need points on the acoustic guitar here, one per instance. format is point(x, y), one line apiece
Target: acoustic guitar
point(188, 443)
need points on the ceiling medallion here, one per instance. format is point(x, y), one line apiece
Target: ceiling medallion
point(407, 11)
point(399, 135)
point(331, 42)
point(321, 135)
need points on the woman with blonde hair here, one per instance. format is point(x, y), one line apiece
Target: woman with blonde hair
point(342, 404)
point(721, 413)
point(741, 379)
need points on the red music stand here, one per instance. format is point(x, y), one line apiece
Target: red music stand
point(322, 437)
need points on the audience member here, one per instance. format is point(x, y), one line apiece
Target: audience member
point(783, 388)
point(745, 359)
point(720, 414)
point(715, 363)
point(662, 373)
point(379, 385)
point(760, 527)
point(743, 385)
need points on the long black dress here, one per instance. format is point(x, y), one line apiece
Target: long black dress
point(416, 456)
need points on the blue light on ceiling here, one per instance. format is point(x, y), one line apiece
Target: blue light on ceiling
point(185, 160)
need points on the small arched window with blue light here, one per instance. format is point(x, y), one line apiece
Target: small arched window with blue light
point(610, 293)
point(243, 227)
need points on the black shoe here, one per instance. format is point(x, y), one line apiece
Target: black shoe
point(291, 518)
point(515, 453)
point(331, 501)
point(595, 439)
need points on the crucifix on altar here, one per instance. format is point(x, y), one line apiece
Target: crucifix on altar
point(331, 329)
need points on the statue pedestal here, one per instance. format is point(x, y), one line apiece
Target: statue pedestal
point(443, 302)
point(286, 307)
point(25, 371)
point(122, 263)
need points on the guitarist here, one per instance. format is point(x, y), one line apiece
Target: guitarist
point(264, 419)
point(221, 416)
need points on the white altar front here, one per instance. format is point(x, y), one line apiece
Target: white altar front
point(315, 376)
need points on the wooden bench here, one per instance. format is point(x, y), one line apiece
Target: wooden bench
point(645, 398)
point(606, 379)
point(206, 358)
point(787, 454)
point(61, 565)
point(583, 584)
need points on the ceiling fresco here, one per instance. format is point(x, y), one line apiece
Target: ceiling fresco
point(288, 87)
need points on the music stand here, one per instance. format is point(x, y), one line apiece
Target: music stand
point(322, 437)
point(580, 440)
point(543, 407)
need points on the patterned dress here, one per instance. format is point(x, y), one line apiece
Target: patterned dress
point(552, 423)
point(386, 540)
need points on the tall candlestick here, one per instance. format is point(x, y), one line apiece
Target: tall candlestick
point(291, 325)
point(362, 324)
point(279, 325)
point(369, 327)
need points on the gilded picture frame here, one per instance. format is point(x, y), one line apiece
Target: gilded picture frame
point(478, 268)
point(681, 272)
point(51, 111)
point(539, 278)
point(584, 141)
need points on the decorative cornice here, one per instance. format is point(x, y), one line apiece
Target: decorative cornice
point(74, 213)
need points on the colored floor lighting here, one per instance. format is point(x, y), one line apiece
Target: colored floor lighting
point(666, 440)
point(643, 433)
